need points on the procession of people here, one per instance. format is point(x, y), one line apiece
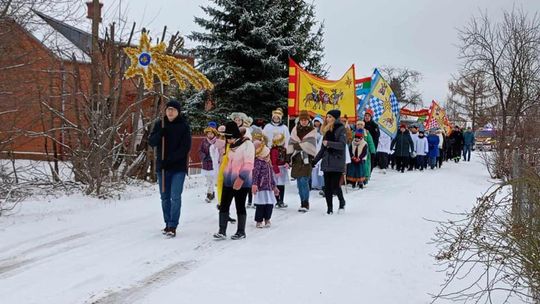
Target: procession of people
point(252, 164)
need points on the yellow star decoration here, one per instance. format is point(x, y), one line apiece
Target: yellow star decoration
point(147, 61)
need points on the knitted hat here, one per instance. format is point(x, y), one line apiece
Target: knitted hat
point(173, 103)
point(232, 130)
point(279, 139)
point(304, 115)
point(370, 112)
point(334, 113)
point(359, 133)
point(212, 124)
point(319, 119)
point(278, 112)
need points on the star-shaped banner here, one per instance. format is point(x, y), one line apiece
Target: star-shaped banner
point(147, 61)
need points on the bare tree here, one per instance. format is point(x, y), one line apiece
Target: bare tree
point(403, 82)
point(507, 55)
point(470, 96)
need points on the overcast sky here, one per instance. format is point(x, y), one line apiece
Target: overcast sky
point(419, 34)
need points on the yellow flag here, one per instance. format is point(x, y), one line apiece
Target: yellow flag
point(318, 96)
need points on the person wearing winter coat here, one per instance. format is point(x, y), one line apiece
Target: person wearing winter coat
point(360, 125)
point(433, 148)
point(278, 157)
point(209, 155)
point(422, 150)
point(243, 122)
point(468, 142)
point(374, 133)
point(171, 136)
point(456, 141)
point(413, 131)
point(276, 126)
point(332, 158)
point(317, 180)
point(264, 186)
point(383, 151)
point(301, 150)
point(442, 144)
point(403, 146)
point(237, 180)
point(358, 150)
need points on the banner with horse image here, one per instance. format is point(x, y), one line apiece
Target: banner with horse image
point(318, 96)
point(384, 104)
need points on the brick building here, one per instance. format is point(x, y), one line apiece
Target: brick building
point(36, 80)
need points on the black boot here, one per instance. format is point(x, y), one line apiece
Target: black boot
point(223, 220)
point(241, 231)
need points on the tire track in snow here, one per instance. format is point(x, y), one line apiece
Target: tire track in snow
point(136, 291)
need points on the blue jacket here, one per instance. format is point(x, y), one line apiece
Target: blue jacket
point(433, 144)
point(468, 138)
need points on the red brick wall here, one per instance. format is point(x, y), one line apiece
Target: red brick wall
point(30, 74)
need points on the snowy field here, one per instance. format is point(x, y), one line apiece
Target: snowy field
point(79, 250)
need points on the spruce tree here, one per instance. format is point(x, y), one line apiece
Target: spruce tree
point(245, 47)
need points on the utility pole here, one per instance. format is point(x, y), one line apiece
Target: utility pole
point(94, 13)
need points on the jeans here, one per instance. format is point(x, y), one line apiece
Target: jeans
point(303, 188)
point(433, 162)
point(171, 198)
point(467, 152)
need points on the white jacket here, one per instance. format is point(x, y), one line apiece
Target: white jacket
point(270, 130)
point(414, 139)
point(384, 143)
point(422, 147)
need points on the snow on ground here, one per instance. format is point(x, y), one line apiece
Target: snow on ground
point(80, 250)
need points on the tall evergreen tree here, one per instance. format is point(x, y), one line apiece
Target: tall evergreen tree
point(245, 47)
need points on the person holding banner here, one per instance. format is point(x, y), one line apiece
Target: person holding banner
point(375, 133)
point(171, 136)
point(403, 147)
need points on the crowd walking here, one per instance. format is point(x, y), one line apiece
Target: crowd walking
point(252, 164)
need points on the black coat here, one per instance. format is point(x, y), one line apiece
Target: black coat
point(374, 131)
point(332, 156)
point(177, 135)
point(402, 144)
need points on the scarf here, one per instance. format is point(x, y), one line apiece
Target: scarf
point(308, 143)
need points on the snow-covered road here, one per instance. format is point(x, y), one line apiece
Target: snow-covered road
point(78, 250)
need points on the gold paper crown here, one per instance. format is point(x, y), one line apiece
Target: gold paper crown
point(279, 139)
point(278, 112)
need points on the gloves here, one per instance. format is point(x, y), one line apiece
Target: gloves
point(297, 147)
